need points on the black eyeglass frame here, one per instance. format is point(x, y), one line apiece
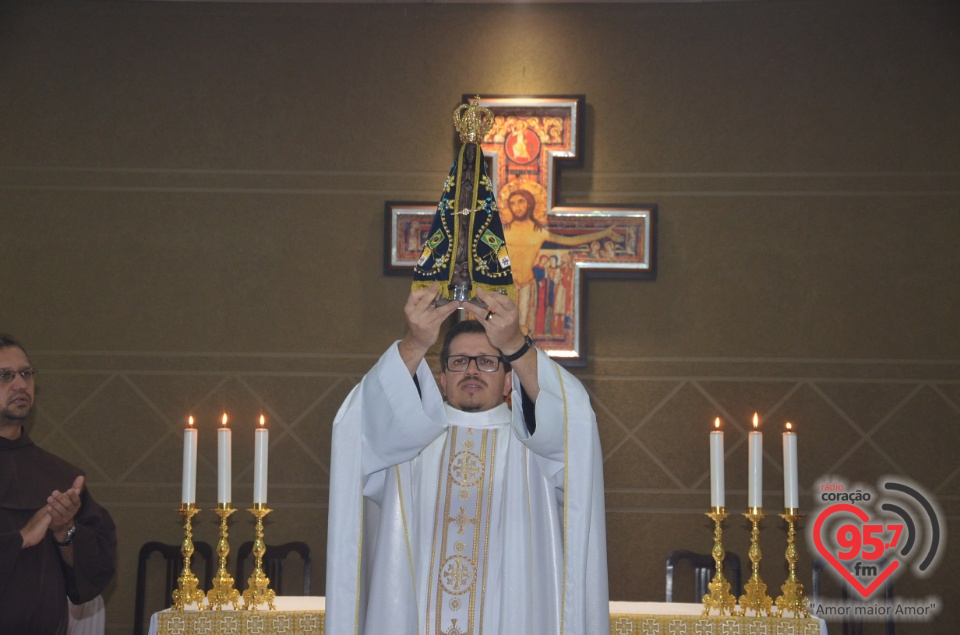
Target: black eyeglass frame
point(27, 374)
point(472, 358)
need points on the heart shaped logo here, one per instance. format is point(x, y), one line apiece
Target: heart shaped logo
point(854, 547)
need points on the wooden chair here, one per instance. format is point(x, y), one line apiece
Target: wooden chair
point(202, 555)
point(275, 562)
point(852, 625)
point(704, 569)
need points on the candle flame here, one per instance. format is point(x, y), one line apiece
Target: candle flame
point(190, 421)
point(789, 426)
point(224, 420)
point(716, 423)
point(262, 420)
point(756, 421)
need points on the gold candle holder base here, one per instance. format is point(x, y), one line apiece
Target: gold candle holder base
point(719, 598)
point(258, 584)
point(223, 591)
point(755, 597)
point(187, 592)
point(792, 599)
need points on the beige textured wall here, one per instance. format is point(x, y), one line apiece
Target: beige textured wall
point(191, 203)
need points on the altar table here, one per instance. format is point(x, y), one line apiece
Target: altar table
point(682, 618)
point(305, 616)
point(295, 615)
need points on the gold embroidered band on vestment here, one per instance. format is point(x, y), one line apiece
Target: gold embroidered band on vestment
point(459, 556)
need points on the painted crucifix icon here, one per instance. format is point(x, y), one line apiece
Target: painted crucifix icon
point(551, 250)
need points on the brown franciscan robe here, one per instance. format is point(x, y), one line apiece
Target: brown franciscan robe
point(35, 582)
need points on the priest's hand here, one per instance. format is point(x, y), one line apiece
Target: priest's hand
point(63, 506)
point(501, 321)
point(424, 319)
point(36, 528)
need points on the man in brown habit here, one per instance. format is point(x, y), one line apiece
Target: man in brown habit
point(56, 542)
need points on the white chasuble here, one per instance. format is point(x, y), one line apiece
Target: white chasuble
point(444, 522)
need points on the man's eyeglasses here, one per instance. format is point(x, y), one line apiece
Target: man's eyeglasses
point(7, 376)
point(485, 363)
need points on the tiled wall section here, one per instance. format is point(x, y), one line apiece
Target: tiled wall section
point(121, 417)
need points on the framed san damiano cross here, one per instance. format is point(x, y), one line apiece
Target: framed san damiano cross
point(554, 249)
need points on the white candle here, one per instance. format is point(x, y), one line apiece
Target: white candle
point(755, 466)
point(261, 443)
point(716, 466)
point(189, 493)
point(790, 495)
point(223, 463)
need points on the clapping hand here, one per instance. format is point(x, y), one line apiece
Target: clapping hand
point(36, 528)
point(62, 507)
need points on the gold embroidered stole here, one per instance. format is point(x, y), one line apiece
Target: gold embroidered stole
point(458, 562)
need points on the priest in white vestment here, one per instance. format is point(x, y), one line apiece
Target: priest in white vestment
point(450, 512)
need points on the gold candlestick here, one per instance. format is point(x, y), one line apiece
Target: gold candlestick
point(187, 591)
point(223, 591)
point(258, 584)
point(792, 599)
point(719, 597)
point(755, 598)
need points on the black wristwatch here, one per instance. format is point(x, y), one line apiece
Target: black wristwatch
point(527, 345)
point(70, 534)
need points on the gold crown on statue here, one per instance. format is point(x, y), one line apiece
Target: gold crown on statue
point(475, 124)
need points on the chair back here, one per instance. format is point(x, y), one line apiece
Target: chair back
point(287, 566)
point(853, 624)
point(816, 570)
point(150, 595)
point(703, 568)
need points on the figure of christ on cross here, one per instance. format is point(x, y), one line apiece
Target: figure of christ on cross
point(526, 231)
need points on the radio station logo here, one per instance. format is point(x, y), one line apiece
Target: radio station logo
point(869, 537)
